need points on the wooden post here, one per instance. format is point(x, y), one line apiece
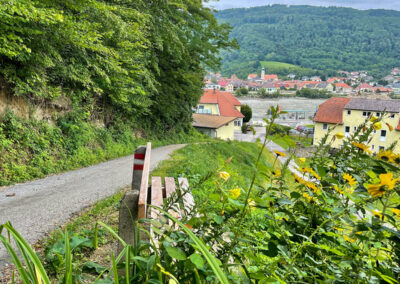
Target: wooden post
point(129, 206)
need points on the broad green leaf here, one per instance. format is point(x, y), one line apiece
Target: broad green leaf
point(176, 253)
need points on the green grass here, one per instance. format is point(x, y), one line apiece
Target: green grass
point(290, 141)
point(282, 68)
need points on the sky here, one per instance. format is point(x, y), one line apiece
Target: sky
point(357, 4)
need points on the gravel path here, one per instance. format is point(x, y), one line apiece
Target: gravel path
point(40, 206)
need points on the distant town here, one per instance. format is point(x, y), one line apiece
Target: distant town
point(354, 83)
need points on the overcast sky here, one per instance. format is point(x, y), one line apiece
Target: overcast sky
point(358, 4)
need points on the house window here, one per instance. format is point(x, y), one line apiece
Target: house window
point(348, 112)
point(373, 147)
point(383, 136)
point(237, 123)
point(378, 114)
point(201, 107)
point(355, 128)
point(347, 129)
point(391, 115)
point(366, 113)
point(325, 126)
point(381, 148)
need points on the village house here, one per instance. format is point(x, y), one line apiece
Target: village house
point(343, 88)
point(344, 115)
point(364, 87)
point(218, 114)
point(270, 88)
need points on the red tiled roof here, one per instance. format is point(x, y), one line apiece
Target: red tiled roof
point(343, 85)
point(225, 100)
point(252, 76)
point(331, 111)
point(364, 86)
point(271, 77)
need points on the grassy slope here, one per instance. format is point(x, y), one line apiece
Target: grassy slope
point(194, 161)
point(282, 68)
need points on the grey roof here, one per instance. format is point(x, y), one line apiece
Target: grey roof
point(374, 105)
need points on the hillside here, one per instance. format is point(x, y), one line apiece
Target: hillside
point(327, 39)
point(86, 81)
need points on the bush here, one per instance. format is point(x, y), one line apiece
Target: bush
point(244, 128)
point(247, 112)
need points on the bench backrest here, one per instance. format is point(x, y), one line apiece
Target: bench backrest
point(140, 177)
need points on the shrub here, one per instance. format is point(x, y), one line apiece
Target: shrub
point(244, 128)
point(247, 112)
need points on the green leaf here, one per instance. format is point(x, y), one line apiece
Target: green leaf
point(197, 260)
point(176, 253)
point(199, 245)
point(214, 197)
point(218, 219)
point(93, 267)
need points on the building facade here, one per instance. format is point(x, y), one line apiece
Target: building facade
point(345, 115)
point(221, 112)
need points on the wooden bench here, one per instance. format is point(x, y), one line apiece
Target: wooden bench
point(134, 204)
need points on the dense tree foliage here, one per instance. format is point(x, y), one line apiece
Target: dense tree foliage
point(247, 112)
point(136, 60)
point(327, 39)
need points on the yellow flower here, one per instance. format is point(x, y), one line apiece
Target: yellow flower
point(235, 193)
point(396, 159)
point(277, 173)
point(309, 198)
point(339, 135)
point(362, 147)
point(350, 180)
point(375, 190)
point(349, 239)
point(299, 179)
point(396, 211)
point(372, 119)
point(315, 174)
point(390, 127)
point(252, 204)
point(224, 175)
point(388, 181)
point(313, 187)
point(377, 125)
point(280, 153)
point(335, 187)
point(385, 155)
point(349, 190)
point(302, 160)
point(377, 214)
point(338, 229)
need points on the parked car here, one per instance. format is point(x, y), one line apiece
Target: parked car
point(308, 130)
point(300, 128)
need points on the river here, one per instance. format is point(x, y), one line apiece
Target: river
point(301, 110)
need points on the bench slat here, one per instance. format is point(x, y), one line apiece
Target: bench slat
point(187, 197)
point(156, 196)
point(170, 186)
point(142, 204)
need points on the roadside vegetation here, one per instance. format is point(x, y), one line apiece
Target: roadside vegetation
point(31, 149)
point(127, 70)
point(256, 221)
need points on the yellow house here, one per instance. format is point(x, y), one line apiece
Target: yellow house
point(345, 115)
point(215, 126)
point(219, 104)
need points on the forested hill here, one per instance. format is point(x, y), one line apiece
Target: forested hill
point(327, 39)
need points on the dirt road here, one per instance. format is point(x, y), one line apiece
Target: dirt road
point(41, 205)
